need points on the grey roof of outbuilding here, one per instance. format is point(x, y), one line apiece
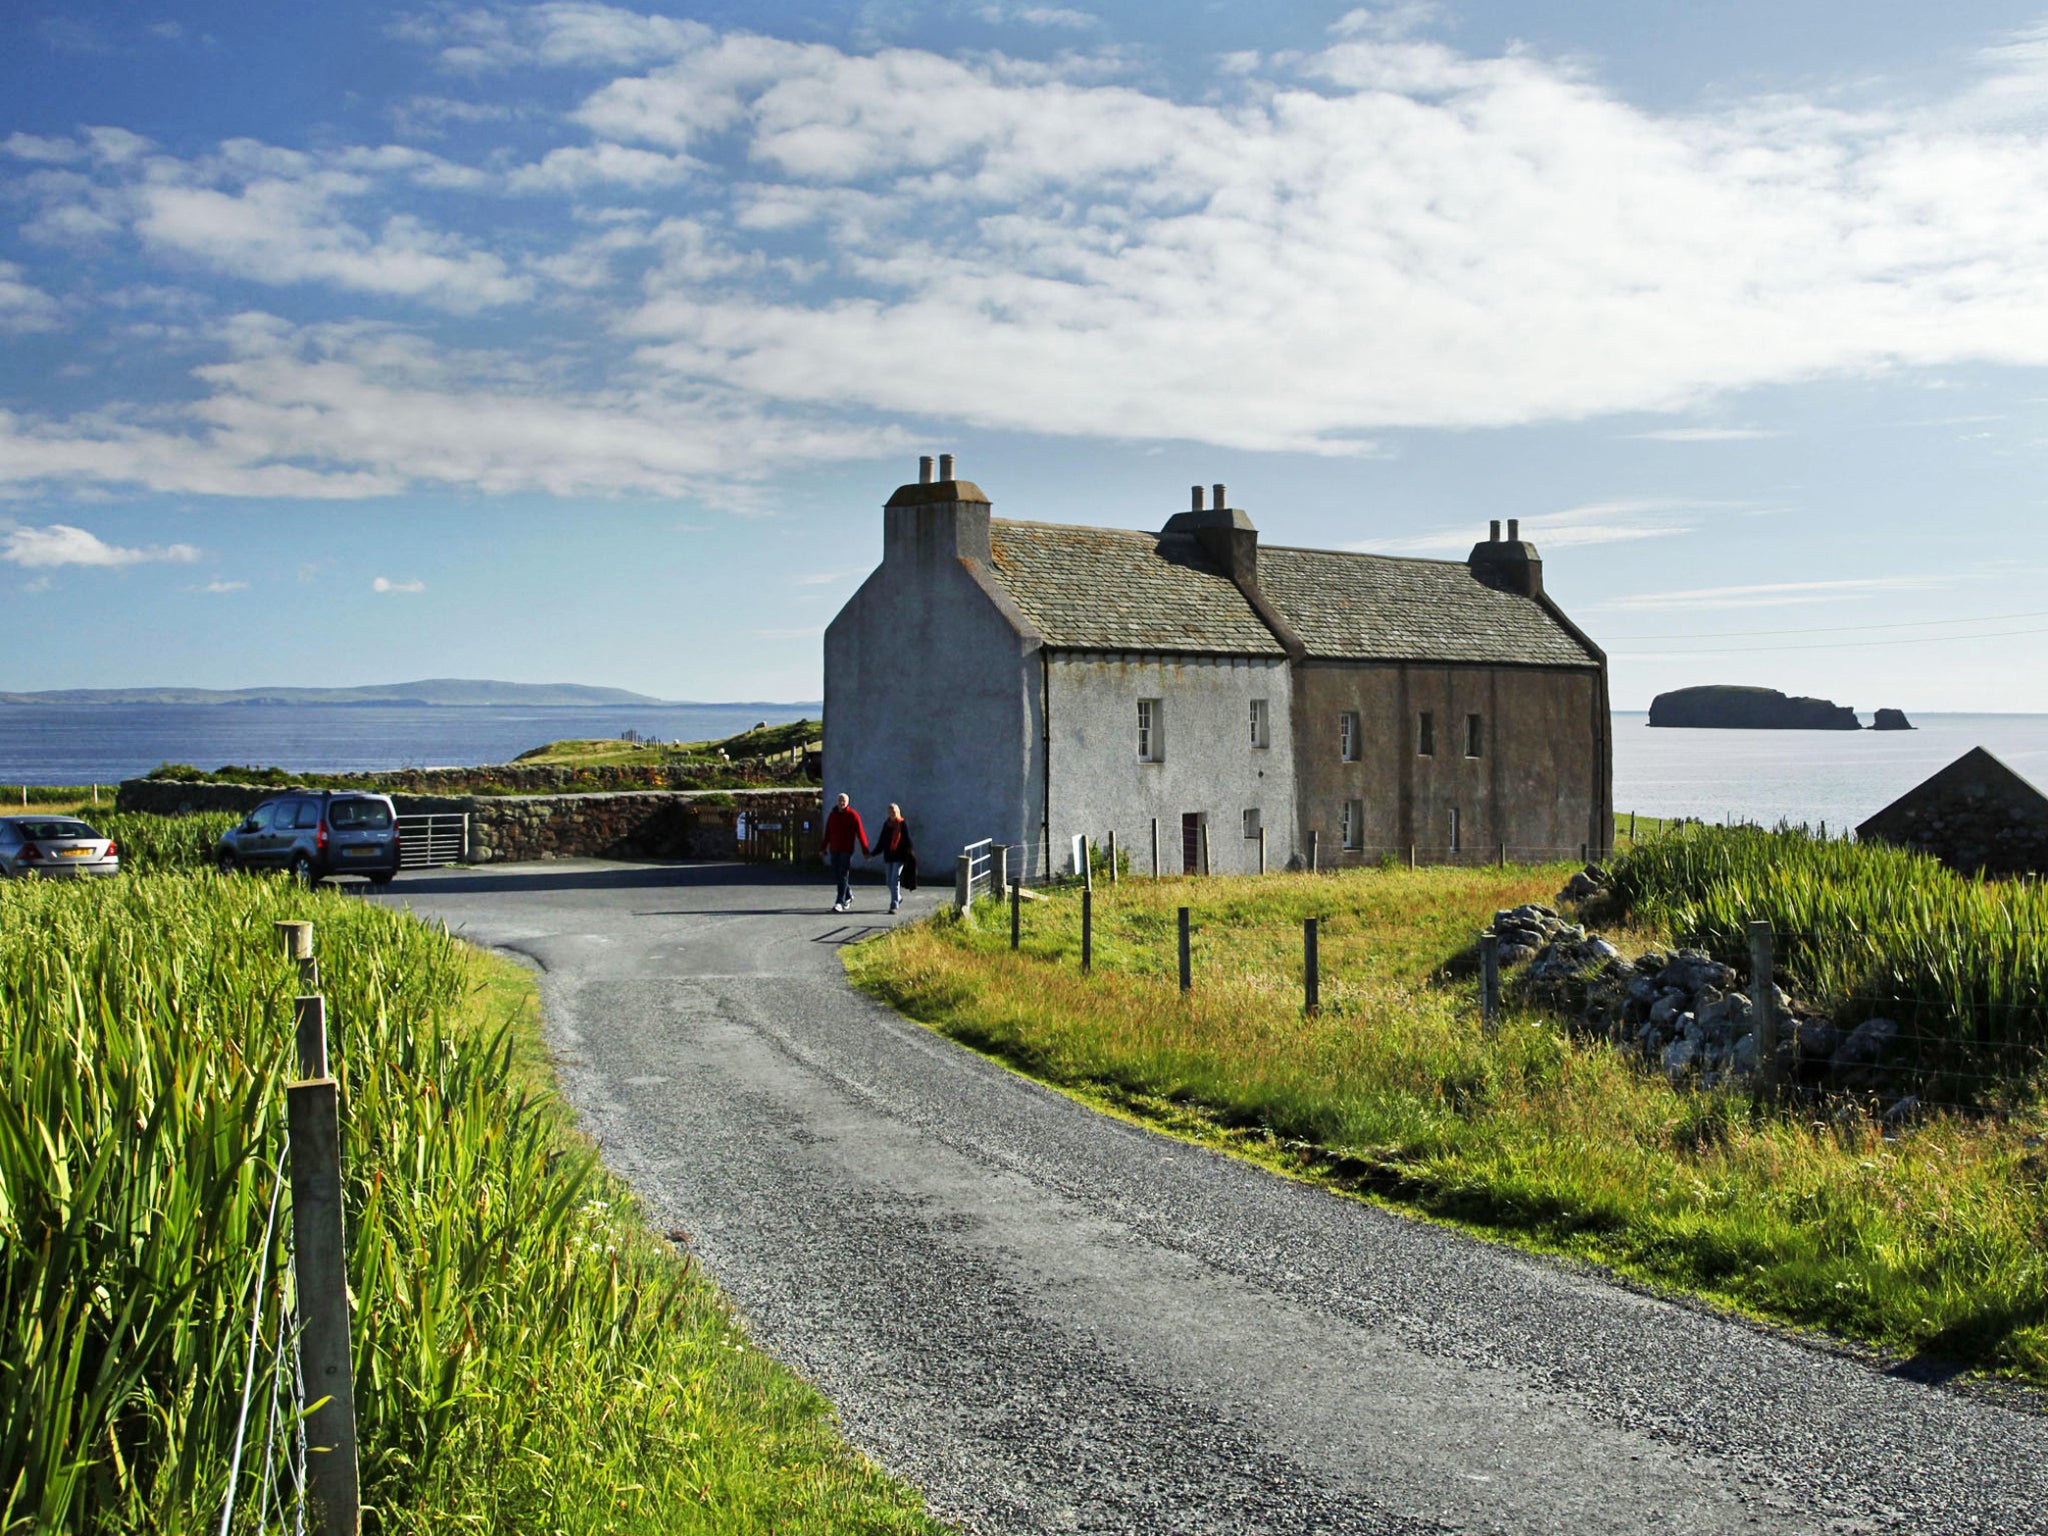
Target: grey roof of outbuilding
point(1114, 589)
point(1387, 608)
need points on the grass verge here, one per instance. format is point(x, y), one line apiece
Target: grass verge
point(528, 1356)
point(1932, 1240)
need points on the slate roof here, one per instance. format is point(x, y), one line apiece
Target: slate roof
point(1113, 589)
point(1386, 608)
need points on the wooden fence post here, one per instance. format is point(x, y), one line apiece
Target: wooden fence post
point(1631, 826)
point(1503, 855)
point(1017, 911)
point(963, 874)
point(1262, 850)
point(1155, 847)
point(1763, 1003)
point(309, 1028)
point(999, 870)
point(1311, 968)
point(1087, 862)
point(1187, 975)
point(1112, 855)
point(1411, 855)
point(1314, 851)
point(1087, 931)
point(320, 1267)
point(1489, 981)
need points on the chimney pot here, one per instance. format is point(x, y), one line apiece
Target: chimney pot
point(1493, 531)
point(1514, 530)
point(945, 466)
point(924, 469)
point(1196, 505)
point(1222, 496)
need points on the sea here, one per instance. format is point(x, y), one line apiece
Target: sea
point(1812, 777)
point(104, 743)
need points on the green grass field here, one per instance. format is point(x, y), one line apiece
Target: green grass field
point(529, 1357)
point(768, 741)
point(1933, 1239)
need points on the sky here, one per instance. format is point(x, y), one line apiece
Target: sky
point(571, 342)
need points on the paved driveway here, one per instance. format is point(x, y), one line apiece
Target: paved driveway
point(1053, 1321)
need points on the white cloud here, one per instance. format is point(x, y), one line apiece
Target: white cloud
point(1776, 594)
point(562, 34)
point(1706, 434)
point(1596, 522)
point(386, 584)
point(339, 412)
point(1396, 235)
point(218, 586)
point(61, 544)
point(24, 307)
point(1041, 16)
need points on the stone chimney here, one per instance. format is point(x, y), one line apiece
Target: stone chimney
point(1225, 534)
point(930, 521)
point(1507, 564)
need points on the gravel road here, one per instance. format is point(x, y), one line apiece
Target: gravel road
point(1053, 1321)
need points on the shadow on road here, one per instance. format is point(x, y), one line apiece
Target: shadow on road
point(612, 877)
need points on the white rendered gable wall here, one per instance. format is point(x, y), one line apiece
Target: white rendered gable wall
point(1206, 762)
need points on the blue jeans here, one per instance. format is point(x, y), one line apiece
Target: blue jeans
point(842, 868)
point(895, 869)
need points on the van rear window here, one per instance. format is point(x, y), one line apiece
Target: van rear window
point(360, 815)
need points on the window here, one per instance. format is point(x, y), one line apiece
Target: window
point(1353, 825)
point(1425, 734)
point(1251, 823)
point(1475, 735)
point(309, 814)
point(1151, 748)
point(368, 815)
point(1347, 737)
point(1260, 735)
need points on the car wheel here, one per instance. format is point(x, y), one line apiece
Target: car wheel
point(224, 862)
point(304, 873)
point(384, 879)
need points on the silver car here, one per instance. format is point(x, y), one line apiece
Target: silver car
point(61, 847)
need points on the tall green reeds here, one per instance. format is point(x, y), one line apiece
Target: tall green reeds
point(527, 1357)
point(1862, 928)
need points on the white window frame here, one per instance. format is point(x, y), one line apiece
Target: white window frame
point(1351, 828)
point(1262, 729)
point(1151, 741)
point(1347, 736)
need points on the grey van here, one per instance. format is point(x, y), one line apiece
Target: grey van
point(315, 833)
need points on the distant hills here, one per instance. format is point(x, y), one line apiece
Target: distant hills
point(437, 692)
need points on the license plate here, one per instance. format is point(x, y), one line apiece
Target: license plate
point(360, 853)
point(74, 853)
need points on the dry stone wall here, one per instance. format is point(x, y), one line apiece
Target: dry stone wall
point(650, 824)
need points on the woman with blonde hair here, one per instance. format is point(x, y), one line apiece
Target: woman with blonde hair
point(899, 856)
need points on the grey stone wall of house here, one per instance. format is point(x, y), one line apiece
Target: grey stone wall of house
point(652, 824)
point(1539, 783)
point(1207, 765)
point(1974, 815)
point(932, 688)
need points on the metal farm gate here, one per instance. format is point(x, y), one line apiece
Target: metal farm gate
point(425, 842)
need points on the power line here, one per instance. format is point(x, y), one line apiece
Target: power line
point(1842, 629)
point(1826, 645)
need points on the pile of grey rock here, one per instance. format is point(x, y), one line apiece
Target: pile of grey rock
point(1681, 1011)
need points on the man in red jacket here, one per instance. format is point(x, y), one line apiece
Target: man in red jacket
point(843, 834)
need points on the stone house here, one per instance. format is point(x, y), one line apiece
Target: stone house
point(1028, 682)
point(1975, 814)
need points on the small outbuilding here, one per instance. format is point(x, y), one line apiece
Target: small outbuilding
point(1976, 814)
